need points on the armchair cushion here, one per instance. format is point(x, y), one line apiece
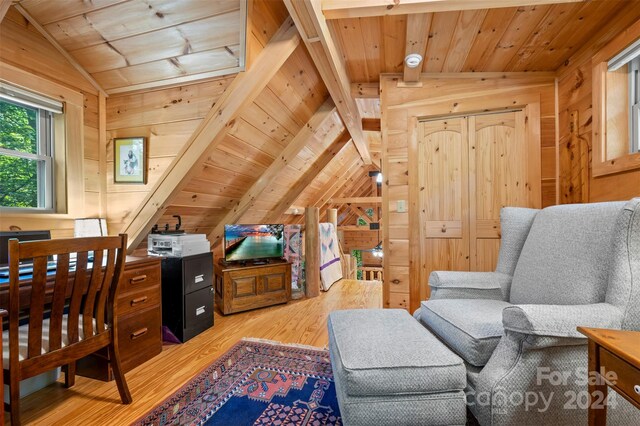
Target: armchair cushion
point(515, 223)
point(468, 285)
point(472, 328)
point(565, 258)
point(560, 320)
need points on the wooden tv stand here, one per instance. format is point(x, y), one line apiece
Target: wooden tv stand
point(244, 287)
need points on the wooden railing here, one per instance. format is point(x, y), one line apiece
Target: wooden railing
point(371, 273)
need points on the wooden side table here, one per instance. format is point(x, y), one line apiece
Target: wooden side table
point(614, 359)
point(3, 313)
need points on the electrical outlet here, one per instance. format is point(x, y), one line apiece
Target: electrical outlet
point(401, 206)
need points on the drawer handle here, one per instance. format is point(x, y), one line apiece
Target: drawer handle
point(138, 300)
point(138, 279)
point(138, 333)
point(199, 278)
point(636, 388)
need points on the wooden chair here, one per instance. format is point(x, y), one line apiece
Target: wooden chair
point(67, 315)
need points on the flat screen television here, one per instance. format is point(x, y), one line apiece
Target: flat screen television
point(251, 242)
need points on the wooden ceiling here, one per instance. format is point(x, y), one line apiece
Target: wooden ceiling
point(136, 44)
point(526, 38)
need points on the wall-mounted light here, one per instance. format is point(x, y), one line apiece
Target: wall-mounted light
point(413, 60)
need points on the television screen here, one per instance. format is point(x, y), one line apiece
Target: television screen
point(244, 242)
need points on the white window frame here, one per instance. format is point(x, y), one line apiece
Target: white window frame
point(634, 104)
point(46, 108)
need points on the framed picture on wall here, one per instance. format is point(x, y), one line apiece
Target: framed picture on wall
point(130, 160)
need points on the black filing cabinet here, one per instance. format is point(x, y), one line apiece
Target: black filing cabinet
point(187, 294)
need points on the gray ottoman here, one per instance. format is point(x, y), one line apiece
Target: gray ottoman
point(390, 370)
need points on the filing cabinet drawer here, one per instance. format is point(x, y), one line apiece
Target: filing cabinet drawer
point(197, 272)
point(138, 300)
point(140, 337)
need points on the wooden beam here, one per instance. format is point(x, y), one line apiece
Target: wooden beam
point(211, 131)
point(335, 185)
point(371, 125)
point(340, 9)
point(365, 90)
point(312, 252)
point(330, 64)
point(359, 213)
point(59, 48)
point(318, 166)
point(357, 200)
point(4, 8)
point(304, 136)
point(418, 26)
point(356, 228)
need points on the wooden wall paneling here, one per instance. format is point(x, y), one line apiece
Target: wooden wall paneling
point(339, 9)
point(4, 7)
point(491, 31)
point(394, 34)
point(209, 134)
point(288, 153)
point(312, 252)
point(330, 64)
point(418, 26)
point(574, 94)
point(296, 189)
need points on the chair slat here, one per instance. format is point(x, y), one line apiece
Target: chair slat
point(57, 304)
point(89, 300)
point(69, 245)
point(36, 305)
point(99, 312)
point(79, 286)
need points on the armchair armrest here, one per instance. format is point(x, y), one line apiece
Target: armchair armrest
point(468, 285)
point(559, 320)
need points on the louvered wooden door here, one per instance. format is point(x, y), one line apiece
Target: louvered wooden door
point(469, 168)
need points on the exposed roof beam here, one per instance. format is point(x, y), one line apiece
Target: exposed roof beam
point(339, 9)
point(330, 64)
point(418, 26)
point(292, 149)
point(316, 168)
point(335, 185)
point(359, 213)
point(365, 90)
point(59, 48)
point(189, 161)
point(357, 200)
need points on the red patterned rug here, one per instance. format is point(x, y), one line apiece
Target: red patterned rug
point(256, 382)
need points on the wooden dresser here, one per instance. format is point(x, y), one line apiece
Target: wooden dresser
point(139, 319)
point(241, 288)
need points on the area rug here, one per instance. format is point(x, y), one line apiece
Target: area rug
point(256, 382)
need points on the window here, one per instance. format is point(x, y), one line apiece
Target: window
point(26, 149)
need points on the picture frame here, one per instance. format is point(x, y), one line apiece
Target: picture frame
point(130, 160)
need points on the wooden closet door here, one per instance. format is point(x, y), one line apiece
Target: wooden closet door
point(504, 170)
point(444, 200)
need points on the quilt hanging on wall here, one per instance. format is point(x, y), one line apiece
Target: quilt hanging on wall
point(293, 253)
point(330, 265)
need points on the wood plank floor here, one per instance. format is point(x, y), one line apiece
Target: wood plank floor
point(91, 402)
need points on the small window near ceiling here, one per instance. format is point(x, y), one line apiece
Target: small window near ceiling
point(26, 149)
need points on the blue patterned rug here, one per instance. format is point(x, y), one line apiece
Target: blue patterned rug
point(256, 383)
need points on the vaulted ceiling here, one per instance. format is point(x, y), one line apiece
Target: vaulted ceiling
point(301, 125)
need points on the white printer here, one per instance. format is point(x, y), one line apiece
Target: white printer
point(177, 245)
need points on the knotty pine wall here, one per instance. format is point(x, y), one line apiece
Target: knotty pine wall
point(576, 184)
point(24, 47)
point(445, 94)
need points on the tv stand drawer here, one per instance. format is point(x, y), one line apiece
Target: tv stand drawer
point(243, 288)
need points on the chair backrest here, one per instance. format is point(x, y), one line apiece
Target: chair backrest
point(566, 257)
point(87, 298)
point(623, 290)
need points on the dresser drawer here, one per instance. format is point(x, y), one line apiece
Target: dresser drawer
point(134, 301)
point(140, 277)
point(140, 337)
point(627, 376)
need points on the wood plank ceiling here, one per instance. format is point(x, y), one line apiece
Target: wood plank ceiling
point(136, 44)
point(526, 38)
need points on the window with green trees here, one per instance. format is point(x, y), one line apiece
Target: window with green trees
point(26, 155)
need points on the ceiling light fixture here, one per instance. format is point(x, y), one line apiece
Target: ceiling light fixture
point(413, 60)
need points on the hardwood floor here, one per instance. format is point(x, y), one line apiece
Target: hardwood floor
point(91, 402)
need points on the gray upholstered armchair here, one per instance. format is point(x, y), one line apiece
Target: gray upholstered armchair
point(558, 268)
